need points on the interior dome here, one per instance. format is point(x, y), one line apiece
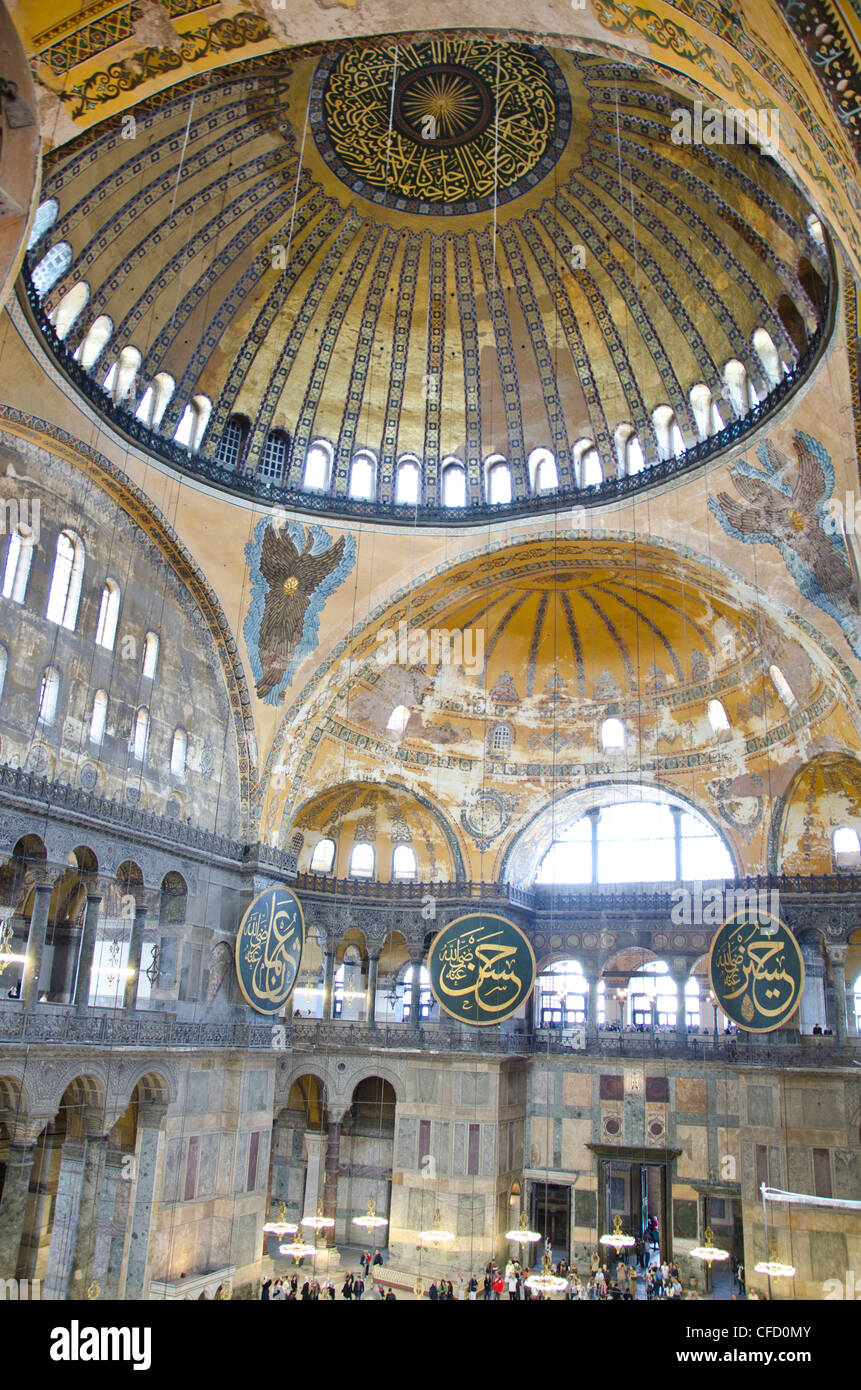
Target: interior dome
point(420, 279)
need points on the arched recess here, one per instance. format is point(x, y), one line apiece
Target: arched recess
point(388, 815)
point(108, 476)
point(530, 842)
point(824, 795)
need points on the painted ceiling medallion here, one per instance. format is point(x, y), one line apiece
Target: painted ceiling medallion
point(416, 127)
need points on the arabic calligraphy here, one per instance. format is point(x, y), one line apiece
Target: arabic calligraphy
point(440, 121)
point(481, 968)
point(269, 949)
point(756, 971)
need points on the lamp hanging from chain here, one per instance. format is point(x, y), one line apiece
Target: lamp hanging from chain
point(522, 1235)
point(545, 1282)
point(617, 1238)
point(281, 1227)
point(709, 1251)
point(370, 1221)
point(437, 1235)
point(318, 1221)
point(773, 1267)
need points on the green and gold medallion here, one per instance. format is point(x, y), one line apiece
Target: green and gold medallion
point(481, 968)
point(269, 947)
point(756, 971)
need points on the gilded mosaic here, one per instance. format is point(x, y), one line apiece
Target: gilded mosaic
point(437, 125)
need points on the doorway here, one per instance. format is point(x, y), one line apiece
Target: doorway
point(637, 1193)
point(550, 1213)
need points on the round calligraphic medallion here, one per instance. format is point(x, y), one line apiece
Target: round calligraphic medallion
point(269, 949)
point(756, 971)
point(439, 126)
point(481, 969)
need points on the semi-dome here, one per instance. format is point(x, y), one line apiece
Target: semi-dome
point(418, 278)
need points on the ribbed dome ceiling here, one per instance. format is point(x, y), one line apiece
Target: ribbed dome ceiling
point(353, 300)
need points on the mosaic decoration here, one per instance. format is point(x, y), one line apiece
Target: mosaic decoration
point(793, 518)
point(269, 947)
point(487, 817)
point(481, 969)
point(832, 57)
point(756, 971)
point(293, 570)
point(447, 149)
point(222, 36)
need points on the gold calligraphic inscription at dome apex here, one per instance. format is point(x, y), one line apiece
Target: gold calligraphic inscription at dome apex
point(443, 121)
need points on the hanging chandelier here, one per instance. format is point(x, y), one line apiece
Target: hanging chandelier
point(318, 1221)
point(617, 1237)
point(297, 1248)
point(522, 1235)
point(773, 1267)
point(281, 1227)
point(545, 1282)
point(709, 1251)
point(370, 1221)
point(436, 1235)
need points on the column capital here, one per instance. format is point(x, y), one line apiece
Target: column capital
point(836, 953)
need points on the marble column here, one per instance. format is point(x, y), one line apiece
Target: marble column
point(88, 948)
point(328, 984)
point(593, 981)
point(676, 813)
point(836, 996)
point(13, 1204)
point(330, 1185)
point(313, 1147)
point(371, 1006)
point(147, 1148)
point(66, 1204)
point(851, 1018)
point(416, 992)
point(36, 943)
point(88, 1215)
point(594, 816)
point(681, 1009)
point(133, 964)
point(812, 1009)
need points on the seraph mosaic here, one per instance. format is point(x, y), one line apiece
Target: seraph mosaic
point(795, 516)
point(293, 569)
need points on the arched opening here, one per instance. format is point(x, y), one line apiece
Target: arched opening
point(99, 718)
point(562, 996)
point(192, 426)
point(49, 693)
point(70, 308)
point(454, 485)
point(109, 613)
point(155, 400)
point(317, 474)
point(792, 322)
point(46, 216)
point(362, 478)
point(814, 287)
point(178, 753)
point(667, 432)
point(404, 865)
point(612, 735)
point(398, 721)
point(718, 717)
point(736, 387)
point(19, 559)
point(497, 475)
point(66, 581)
point(407, 483)
point(121, 380)
point(782, 686)
point(362, 859)
point(543, 473)
point(96, 339)
point(150, 656)
point(636, 842)
point(231, 443)
point(763, 346)
point(140, 734)
point(323, 857)
point(51, 268)
point(275, 454)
